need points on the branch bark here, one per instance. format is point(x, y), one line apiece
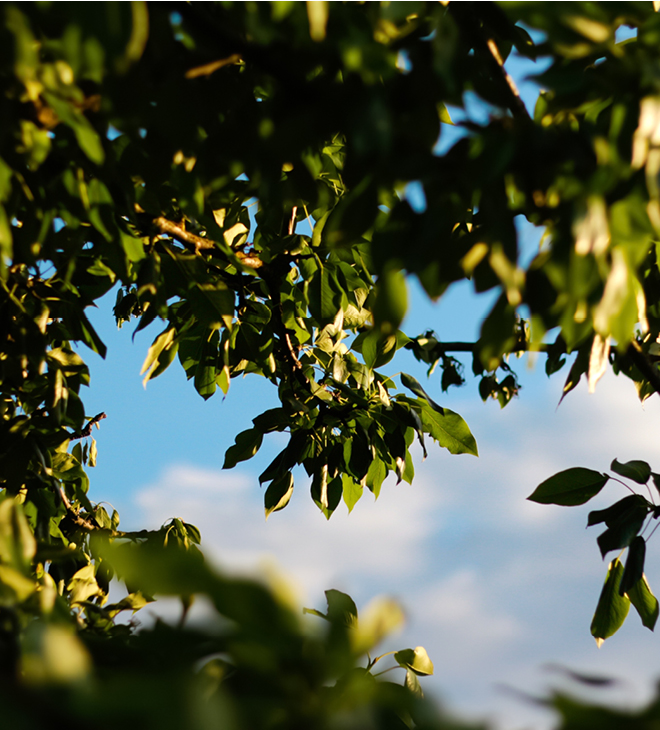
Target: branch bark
point(199, 243)
point(87, 430)
point(517, 105)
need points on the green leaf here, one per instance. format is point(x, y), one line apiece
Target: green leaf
point(352, 491)
point(645, 603)
point(53, 654)
point(612, 608)
point(378, 349)
point(391, 301)
point(417, 660)
point(83, 585)
point(450, 431)
point(160, 355)
point(612, 514)
point(634, 565)
point(624, 528)
point(443, 114)
point(570, 487)
point(14, 586)
point(414, 385)
point(278, 494)
point(131, 602)
point(412, 684)
point(376, 476)
point(213, 304)
point(326, 494)
point(246, 446)
point(314, 612)
point(93, 454)
point(341, 608)
point(324, 292)
point(638, 471)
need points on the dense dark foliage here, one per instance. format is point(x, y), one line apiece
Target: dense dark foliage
point(237, 173)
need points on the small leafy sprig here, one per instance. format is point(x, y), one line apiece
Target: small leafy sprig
point(626, 521)
point(381, 618)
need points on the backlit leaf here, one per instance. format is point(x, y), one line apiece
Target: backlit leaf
point(612, 608)
point(416, 660)
point(645, 603)
point(278, 494)
point(450, 431)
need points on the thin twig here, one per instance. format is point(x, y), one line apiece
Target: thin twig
point(87, 430)
point(290, 351)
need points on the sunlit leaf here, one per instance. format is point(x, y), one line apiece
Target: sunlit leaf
point(278, 494)
point(417, 660)
point(612, 608)
point(645, 603)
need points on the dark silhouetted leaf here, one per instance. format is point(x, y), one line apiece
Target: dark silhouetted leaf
point(638, 471)
point(569, 487)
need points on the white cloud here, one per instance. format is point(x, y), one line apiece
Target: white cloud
point(495, 586)
point(380, 541)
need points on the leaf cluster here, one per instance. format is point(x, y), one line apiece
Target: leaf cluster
point(625, 521)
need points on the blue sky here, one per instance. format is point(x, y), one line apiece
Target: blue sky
point(495, 587)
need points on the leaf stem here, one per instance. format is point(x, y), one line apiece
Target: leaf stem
point(629, 488)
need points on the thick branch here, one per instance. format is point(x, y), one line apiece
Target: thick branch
point(443, 347)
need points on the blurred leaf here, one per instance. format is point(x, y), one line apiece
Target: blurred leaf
point(417, 660)
point(83, 585)
point(53, 654)
point(379, 619)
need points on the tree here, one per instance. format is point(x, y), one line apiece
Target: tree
point(136, 141)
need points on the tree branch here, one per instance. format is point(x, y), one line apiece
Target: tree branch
point(199, 243)
point(75, 517)
point(634, 352)
point(443, 347)
point(87, 430)
point(517, 105)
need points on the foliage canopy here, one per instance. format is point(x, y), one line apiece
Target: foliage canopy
point(237, 172)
